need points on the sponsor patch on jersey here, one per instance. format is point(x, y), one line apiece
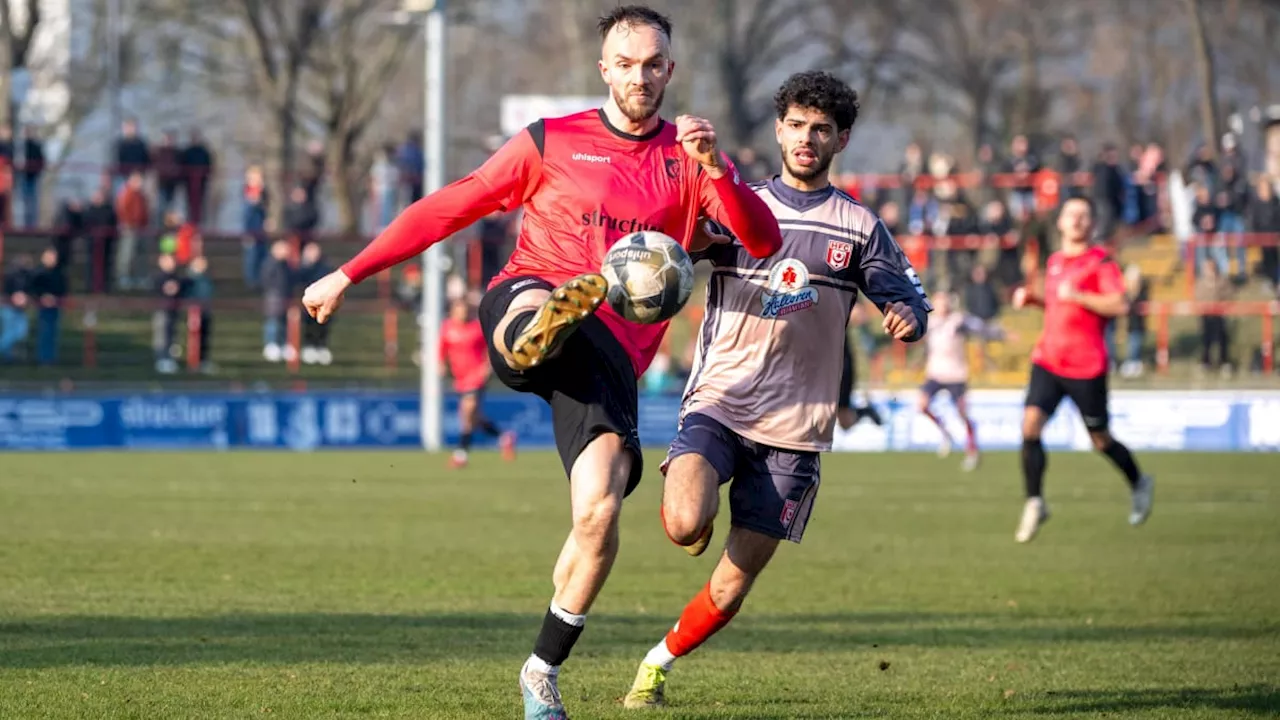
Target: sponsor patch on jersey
point(788, 289)
point(838, 254)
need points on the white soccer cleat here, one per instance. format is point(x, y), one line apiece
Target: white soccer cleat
point(944, 447)
point(971, 461)
point(1034, 514)
point(1143, 494)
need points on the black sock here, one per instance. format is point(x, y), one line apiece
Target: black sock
point(1033, 462)
point(464, 441)
point(490, 429)
point(1123, 459)
point(556, 639)
point(517, 326)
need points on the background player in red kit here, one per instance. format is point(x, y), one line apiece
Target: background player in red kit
point(465, 353)
point(1083, 289)
point(584, 181)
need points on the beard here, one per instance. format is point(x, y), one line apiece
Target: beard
point(639, 109)
point(815, 170)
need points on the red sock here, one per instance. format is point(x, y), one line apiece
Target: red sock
point(700, 620)
point(971, 436)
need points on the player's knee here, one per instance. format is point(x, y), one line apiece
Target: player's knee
point(683, 524)
point(595, 523)
point(1101, 440)
point(1032, 426)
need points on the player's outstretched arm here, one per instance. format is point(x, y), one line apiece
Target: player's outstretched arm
point(722, 193)
point(889, 281)
point(503, 182)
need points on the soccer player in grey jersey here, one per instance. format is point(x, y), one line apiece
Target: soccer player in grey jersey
point(762, 398)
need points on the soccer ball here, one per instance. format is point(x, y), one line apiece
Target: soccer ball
point(650, 277)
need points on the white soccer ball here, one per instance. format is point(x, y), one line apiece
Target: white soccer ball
point(650, 277)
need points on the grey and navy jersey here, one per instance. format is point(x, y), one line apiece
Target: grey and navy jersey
point(771, 346)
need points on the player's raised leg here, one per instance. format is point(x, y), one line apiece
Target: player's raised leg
point(539, 320)
point(746, 554)
point(598, 481)
point(700, 459)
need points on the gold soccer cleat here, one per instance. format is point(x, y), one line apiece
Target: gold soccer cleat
point(568, 305)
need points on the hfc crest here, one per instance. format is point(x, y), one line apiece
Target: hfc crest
point(838, 254)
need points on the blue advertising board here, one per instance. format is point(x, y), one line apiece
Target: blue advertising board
point(1197, 421)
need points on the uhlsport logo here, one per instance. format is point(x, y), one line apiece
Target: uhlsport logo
point(588, 157)
point(788, 289)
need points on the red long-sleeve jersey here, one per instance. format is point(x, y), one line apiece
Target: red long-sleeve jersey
point(584, 184)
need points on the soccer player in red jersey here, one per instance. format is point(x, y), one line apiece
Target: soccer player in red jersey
point(1083, 290)
point(584, 181)
point(465, 353)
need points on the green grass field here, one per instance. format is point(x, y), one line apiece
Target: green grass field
point(382, 585)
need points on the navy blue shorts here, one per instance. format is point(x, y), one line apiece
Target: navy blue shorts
point(933, 387)
point(773, 489)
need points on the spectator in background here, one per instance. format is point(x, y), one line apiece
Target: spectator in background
point(277, 288)
point(493, 232)
point(6, 174)
point(985, 169)
point(1137, 292)
point(1232, 156)
point(254, 213)
point(167, 159)
point(1205, 221)
point(1201, 170)
point(32, 168)
point(412, 164)
point(180, 238)
point(1069, 166)
point(198, 288)
point(134, 216)
point(1264, 217)
point(1232, 201)
point(980, 299)
point(301, 215)
point(1213, 287)
point(197, 169)
point(101, 227)
point(168, 286)
point(312, 172)
point(315, 337)
point(1147, 179)
point(1108, 191)
point(995, 225)
point(69, 226)
point(384, 186)
point(15, 299)
point(132, 154)
point(1022, 165)
point(49, 287)
point(910, 171)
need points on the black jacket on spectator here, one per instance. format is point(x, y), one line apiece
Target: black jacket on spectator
point(308, 274)
point(101, 220)
point(32, 157)
point(1108, 186)
point(69, 225)
point(980, 300)
point(169, 286)
point(196, 157)
point(168, 163)
point(1263, 217)
point(17, 280)
point(49, 281)
point(301, 217)
point(132, 155)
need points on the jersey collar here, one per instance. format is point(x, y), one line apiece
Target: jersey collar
point(628, 136)
point(799, 200)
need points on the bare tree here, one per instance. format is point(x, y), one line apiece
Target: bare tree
point(357, 57)
point(15, 47)
point(1205, 74)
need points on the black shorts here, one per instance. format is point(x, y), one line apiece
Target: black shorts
point(933, 387)
point(847, 377)
point(1046, 390)
point(590, 384)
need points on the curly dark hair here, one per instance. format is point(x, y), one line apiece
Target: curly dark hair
point(820, 91)
point(633, 15)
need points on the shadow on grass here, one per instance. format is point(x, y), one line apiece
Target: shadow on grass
point(367, 638)
point(1262, 699)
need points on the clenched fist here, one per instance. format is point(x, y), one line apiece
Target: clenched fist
point(699, 140)
point(900, 321)
point(324, 296)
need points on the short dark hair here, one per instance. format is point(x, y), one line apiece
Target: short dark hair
point(820, 91)
point(1088, 202)
point(633, 15)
